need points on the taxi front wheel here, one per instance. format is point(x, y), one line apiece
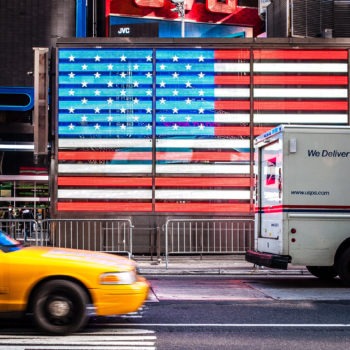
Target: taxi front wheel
point(59, 307)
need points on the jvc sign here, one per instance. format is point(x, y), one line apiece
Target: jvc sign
point(134, 30)
point(124, 31)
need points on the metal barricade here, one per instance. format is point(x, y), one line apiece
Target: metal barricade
point(208, 236)
point(21, 229)
point(104, 235)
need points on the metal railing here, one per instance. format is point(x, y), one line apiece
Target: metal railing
point(207, 236)
point(21, 229)
point(104, 235)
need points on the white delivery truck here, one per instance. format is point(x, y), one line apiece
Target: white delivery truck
point(302, 200)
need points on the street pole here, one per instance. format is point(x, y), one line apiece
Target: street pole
point(180, 9)
point(183, 23)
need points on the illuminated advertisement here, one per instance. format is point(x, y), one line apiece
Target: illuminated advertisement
point(209, 18)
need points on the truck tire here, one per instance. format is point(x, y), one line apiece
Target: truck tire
point(323, 272)
point(343, 267)
point(59, 307)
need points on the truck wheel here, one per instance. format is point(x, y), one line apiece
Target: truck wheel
point(323, 272)
point(343, 266)
point(59, 307)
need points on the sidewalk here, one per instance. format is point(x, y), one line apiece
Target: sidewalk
point(208, 265)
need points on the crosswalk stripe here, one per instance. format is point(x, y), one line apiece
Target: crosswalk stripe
point(119, 339)
point(45, 347)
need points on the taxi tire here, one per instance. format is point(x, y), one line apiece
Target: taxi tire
point(61, 292)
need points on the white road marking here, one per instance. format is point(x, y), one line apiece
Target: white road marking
point(246, 325)
point(136, 339)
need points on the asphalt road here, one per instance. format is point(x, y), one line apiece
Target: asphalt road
point(206, 313)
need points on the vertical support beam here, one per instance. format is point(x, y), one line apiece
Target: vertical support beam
point(154, 131)
point(40, 114)
point(348, 87)
point(94, 18)
point(107, 16)
point(252, 134)
point(81, 12)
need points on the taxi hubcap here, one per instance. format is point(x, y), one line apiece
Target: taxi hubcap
point(59, 308)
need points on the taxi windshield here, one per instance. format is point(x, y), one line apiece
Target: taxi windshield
point(8, 244)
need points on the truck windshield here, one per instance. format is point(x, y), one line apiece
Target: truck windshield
point(8, 244)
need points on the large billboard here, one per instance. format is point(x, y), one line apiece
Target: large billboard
point(168, 128)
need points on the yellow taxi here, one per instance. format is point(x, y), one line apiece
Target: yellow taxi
point(61, 288)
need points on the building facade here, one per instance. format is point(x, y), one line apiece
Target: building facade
point(151, 128)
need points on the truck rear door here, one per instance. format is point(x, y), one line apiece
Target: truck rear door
point(270, 197)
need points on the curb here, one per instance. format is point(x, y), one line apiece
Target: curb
point(220, 266)
point(221, 271)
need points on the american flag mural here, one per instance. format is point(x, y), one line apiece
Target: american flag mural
point(202, 133)
point(167, 130)
point(300, 86)
point(105, 112)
